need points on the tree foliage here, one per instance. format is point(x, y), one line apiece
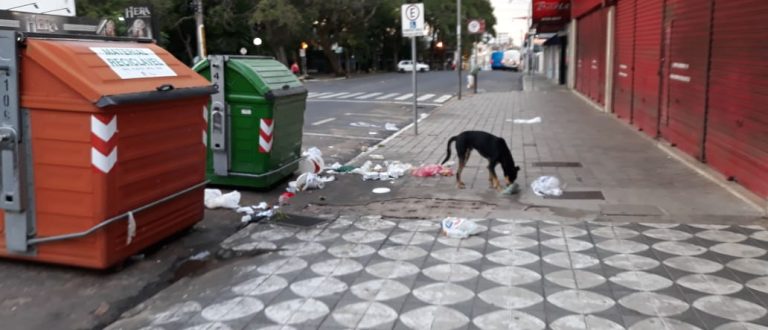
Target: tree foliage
point(368, 30)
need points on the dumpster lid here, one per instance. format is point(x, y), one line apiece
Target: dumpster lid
point(270, 77)
point(108, 73)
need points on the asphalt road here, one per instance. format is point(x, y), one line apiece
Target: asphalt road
point(345, 116)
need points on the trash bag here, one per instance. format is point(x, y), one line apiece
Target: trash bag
point(313, 161)
point(458, 227)
point(432, 170)
point(215, 199)
point(309, 181)
point(547, 186)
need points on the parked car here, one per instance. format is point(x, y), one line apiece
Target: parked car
point(407, 66)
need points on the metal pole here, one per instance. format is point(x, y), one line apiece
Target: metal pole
point(458, 42)
point(413, 79)
point(475, 69)
point(200, 25)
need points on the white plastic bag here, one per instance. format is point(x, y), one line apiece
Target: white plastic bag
point(458, 227)
point(214, 199)
point(308, 181)
point(313, 161)
point(391, 127)
point(547, 186)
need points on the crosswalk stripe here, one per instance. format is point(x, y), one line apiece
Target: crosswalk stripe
point(443, 98)
point(316, 94)
point(333, 95)
point(351, 95)
point(426, 97)
point(367, 96)
point(404, 97)
point(386, 96)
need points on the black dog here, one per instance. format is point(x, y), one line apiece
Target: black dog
point(492, 147)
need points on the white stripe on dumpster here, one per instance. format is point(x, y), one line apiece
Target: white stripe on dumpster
point(443, 98)
point(404, 97)
point(102, 162)
point(320, 122)
point(367, 96)
point(265, 135)
point(351, 95)
point(104, 131)
point(426, 97)
point(103, 142)
point(332, 95)
point(205, 127)
point(390, 95)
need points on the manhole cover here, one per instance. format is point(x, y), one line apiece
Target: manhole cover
point(630, 209)
point(557, 164)
point(598, 195)
point(296, 220)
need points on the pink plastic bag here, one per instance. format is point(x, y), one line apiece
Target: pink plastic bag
point(432, 170)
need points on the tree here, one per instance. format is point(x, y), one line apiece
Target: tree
point(280, 22)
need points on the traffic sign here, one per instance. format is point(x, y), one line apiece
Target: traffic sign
point(412, 16)
point(476, 26)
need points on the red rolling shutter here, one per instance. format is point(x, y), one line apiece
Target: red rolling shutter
point(737, 123)
point(648, 26)
point(623, 71)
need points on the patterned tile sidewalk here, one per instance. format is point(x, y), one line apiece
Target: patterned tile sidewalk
point(516, 274)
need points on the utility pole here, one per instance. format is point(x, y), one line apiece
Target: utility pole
point(458, 42)
point(200, 26)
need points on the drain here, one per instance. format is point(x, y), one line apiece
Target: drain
point(581, 195)
point(296, 220)
point(557, 164)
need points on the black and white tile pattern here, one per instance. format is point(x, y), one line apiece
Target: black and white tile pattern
point(370, 273)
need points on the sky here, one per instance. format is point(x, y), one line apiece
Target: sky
point(505, 12)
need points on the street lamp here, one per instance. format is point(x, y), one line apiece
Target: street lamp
point(50, 11)
point(257, 41)
point(24, 5)
point(439, 44)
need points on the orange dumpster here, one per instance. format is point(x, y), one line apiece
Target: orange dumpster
point(106, 153)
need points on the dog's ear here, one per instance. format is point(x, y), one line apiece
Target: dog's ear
point(517, 168)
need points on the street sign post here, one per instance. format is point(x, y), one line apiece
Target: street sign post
point(476, 27)
point(412, 18)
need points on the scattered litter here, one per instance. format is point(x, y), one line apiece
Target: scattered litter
point(309, 181)
point(336, 166)
point(511, 189)
point(267, 213)
point(397, 169)
point(200, 256)
point(547, 186)
point(313, 161)
point(458, 227)
point(389, 171)
point(363, 124)
point(284, 197)
point(432, 170)
point(215, 199)
point(326, 179)
point(246, 210)
point(373, 133)
point(391, 127)
point(528, 121)
point(261, 206)
point(381, 190)
point(376, 156)
point(345, 169)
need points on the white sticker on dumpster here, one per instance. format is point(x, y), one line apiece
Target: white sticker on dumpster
point(132, 63)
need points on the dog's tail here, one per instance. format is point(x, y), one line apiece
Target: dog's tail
point(448, 156)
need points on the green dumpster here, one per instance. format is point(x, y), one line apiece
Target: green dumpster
point(255, 120)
